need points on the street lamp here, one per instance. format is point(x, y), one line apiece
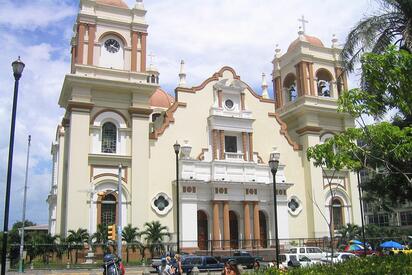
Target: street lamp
point(18, 67)
point(274, 164)
point(176, 147)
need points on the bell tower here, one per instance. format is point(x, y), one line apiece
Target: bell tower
point(106, 121)
point(107, 34)
point(308, 80)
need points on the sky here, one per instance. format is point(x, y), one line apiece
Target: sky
point(206, 34)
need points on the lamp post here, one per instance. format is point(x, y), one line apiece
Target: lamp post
point(24, 206)
point(274, 164)
point(176, 147)
point(18, 67)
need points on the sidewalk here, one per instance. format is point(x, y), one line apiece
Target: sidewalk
point(129, 271)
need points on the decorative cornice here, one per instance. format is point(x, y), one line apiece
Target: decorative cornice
point(65, 122)
point(201, 156)
point(215, 77)
point(71, 104)
point(169, 118)
point(284, 131)
point(144, 112)
point(260, 160)
point(309, 129)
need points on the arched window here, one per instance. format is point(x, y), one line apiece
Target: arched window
point(289, 85)
point(108, 210)
point(337, 212)
point(324, 82)
point(155, 116)
point(109, 138)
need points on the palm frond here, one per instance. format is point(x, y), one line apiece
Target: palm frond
point(363, 37)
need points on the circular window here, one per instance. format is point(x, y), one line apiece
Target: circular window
point(229, 104)
point(161, 203)
point(294, 206)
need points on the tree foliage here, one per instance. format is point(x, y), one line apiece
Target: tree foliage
point(392, 24)
point(77, 239)
point(383, 148)
point(154, 234)
point(129, 235)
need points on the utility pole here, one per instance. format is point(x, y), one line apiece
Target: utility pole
point(23, 220)
point(119, 207)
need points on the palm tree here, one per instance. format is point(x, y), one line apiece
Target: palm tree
point(78, 239)
point(349, 232)
point(100, 237)
point(392, 25)
point(154, 234)
point(129, 235)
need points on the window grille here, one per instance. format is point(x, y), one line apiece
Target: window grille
point(109, 137)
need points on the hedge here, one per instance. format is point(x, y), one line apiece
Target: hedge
point(397, 264)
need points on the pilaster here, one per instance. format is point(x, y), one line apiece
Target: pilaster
point(140, 165)
point(78, 167)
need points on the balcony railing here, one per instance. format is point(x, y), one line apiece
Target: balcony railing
point(234, 156)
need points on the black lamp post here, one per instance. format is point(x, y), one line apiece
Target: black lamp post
point(176, 147)
point(274, 164)
point(18, 67)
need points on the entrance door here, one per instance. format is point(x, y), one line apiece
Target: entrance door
point(202, 232)
point(234, 230)
point(263, 229)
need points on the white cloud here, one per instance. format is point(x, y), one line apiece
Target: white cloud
point(31, 15)
point(241, 33)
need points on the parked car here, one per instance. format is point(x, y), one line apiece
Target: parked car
point(395, 251)
point(289, 260)
point(295, 260)
point(313, 253)
point(243, 258)
point(339, 257)
point(203, 263)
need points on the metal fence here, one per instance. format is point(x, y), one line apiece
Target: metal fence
point(141, 254)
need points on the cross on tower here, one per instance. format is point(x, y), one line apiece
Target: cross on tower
point(303, 21)
point(152, 56)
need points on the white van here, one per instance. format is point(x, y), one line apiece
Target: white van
point(313, 253)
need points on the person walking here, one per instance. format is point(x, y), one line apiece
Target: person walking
point(179, 269)
point(164, 268)
point(231, 268)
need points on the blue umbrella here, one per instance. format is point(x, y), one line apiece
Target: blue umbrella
point(356, 242)
point(391, 244)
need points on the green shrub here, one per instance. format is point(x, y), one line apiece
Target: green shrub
point(398, 264)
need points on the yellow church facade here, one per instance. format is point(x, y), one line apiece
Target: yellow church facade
point(117, 114)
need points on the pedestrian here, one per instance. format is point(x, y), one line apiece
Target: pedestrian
point(121, 267)
point(179, 269)
point(164, 268)
point(231, 268)
point(256, 265)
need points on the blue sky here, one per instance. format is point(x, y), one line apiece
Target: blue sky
point(206, 34)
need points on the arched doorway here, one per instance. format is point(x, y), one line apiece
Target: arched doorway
point(202, 232)
point(108, 210)
point(263, 229)
point(234, 230)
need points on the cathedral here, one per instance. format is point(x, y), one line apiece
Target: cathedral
point(120, 125)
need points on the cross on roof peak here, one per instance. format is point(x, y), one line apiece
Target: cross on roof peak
point(303, 21)
point(152, 56)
